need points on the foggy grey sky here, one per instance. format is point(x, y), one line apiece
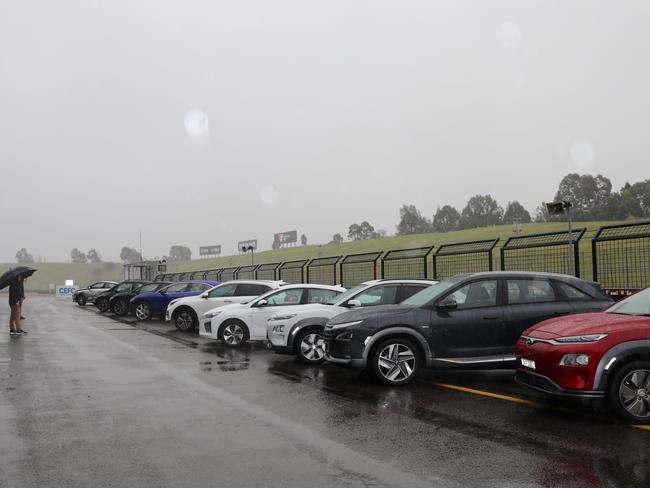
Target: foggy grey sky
point(321, 113)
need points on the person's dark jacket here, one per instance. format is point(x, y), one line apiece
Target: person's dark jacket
point(16, 292)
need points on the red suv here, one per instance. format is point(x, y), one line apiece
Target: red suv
point(594, 357)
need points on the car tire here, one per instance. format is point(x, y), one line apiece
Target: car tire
point(233, 333)
point(395, 361)
point(102, 304)
point(82, 300)
point(629, 392)
point(185, 319)
point(120, 307)
point(310, 346)
point(142, 311)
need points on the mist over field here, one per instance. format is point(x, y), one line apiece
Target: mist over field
point(203, 123)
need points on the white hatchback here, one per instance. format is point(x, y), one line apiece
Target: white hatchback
point(185, 312)
point(235, 324)
point(300, 330)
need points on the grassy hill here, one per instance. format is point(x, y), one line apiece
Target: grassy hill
point(82, 274)
point(57, 273)
point(389, 243)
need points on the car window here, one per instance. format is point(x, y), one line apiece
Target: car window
point(223, 291)
point(286, 297)
point(146, 288)
point(378, 295)
point(407, 291)
point(476, 294)
point(251, 290)
point(529, 291)
point(177, 288)
point(196, 287)
point(572, 293)
point(124, 287)
point(319, 295)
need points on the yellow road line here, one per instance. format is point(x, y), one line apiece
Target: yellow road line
point(487, 394)
point(512, 399)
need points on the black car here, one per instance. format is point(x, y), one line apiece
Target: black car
point(102, 301)
point(471, 320)
point(119, 303)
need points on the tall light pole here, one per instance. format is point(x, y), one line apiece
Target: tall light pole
point(245, 249)
point(564, 208)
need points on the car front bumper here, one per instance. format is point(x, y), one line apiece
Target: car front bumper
point(206, 330)
point(547, 386)
point(279, 339)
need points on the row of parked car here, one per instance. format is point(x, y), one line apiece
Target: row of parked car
point(565, 337)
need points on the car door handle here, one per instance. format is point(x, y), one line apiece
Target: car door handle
point(490, 317)
point(227, 301)
point(560, 313)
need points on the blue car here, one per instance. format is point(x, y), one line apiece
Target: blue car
point(154, 304)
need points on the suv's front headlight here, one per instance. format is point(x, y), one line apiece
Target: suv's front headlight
point(211, 315)
point(282, 317)
point(344, 325)
point(580, 339)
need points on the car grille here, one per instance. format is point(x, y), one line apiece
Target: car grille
point(535, 381)
point(328, 334)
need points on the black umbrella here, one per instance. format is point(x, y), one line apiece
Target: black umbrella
point(13, 273)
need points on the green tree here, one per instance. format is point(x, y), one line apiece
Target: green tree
point(641, 192)
point(446, 219)
point(366, 231)
point(93, 256)
point(516, 211)
point(303, 240)
point(411, 221)
point(23, 257)
point(130, 255)
point(620, 206)
point(354, 232)
point(180, 253)
point(77, 256)
point(336, 239)
point(481, 211)
point(587, 193)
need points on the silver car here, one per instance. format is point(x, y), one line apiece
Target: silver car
point(88, 294)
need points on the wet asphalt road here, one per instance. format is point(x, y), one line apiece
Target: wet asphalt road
point(86, 400)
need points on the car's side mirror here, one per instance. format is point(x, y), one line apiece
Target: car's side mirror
point(353, 303)
point(447, 304)
point(162, 292)
point(262, 303)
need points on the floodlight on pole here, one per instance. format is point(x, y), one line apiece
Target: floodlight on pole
point(245, 249)
point(564, 208)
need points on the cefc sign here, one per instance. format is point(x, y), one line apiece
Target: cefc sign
point(63, 291)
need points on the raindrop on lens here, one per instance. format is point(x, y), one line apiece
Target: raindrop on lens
point(268, 195)
point(196, 122)
point(582, 153)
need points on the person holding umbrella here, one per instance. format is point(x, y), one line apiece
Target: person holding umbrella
point(14, 280)
point(15, 300)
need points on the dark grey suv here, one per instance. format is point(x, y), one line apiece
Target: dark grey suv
point(471, 320)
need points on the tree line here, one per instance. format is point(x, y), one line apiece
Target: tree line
point(591, 197)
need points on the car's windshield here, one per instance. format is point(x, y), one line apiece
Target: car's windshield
point(637, 304)
point(430, 293)
point(343, 297)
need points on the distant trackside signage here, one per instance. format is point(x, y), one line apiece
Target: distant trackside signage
point(209, 250)
point(63, 291)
